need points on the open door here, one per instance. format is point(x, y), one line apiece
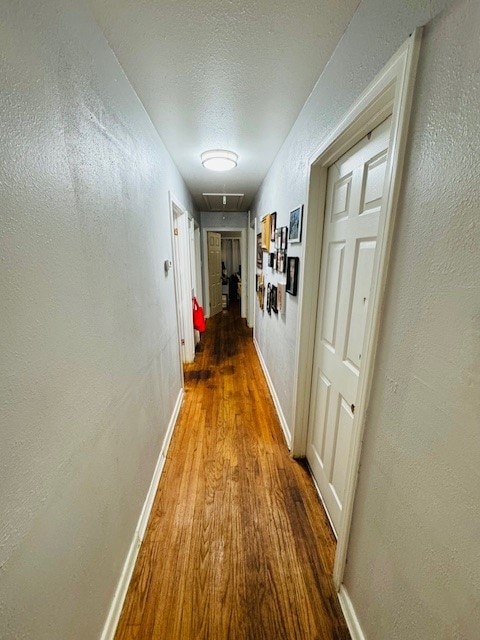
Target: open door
point(214, 272)
point(183, 280)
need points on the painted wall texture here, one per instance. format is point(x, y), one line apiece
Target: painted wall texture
point(414, 562)
point(89, 367)
point(416, 525)
point(219, 220)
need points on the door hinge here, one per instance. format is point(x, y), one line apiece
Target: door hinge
point(175, 231)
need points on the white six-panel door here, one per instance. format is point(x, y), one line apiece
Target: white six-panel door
point(353, 208)
point(214, 272)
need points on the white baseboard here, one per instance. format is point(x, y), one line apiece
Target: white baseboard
point(350, 615)
point(121, 591)
point(276, 402)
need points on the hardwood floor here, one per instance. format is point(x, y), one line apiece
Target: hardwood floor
point(238, 546)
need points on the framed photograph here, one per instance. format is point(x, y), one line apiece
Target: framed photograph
point(281, 298)
point(273, 295)
point(283, 243)
point(278, 238)
point(259, 251)
point(296, 216)
point(269, 298)
point(271, 260)
point(292, 275)
point(281, 262)
point(260, 290)
point(265, 228)
point(273, 225)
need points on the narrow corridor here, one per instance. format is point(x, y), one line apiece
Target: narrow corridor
point(238, 546)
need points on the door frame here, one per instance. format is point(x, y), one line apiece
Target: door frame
point(390, 93)
point(198, 262)
point(182, 278)
point(243, 255)
point(252, 266)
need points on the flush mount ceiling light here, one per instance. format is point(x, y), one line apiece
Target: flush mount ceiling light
point(219, 160)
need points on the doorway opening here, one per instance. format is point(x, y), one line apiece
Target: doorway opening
point(225, 282)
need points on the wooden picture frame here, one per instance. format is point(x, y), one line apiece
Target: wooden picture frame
point(296, 218)
point(260, 291)
point(292, 275)
point(281, 298)
point(266, 232)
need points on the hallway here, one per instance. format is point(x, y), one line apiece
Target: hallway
point(237, 545)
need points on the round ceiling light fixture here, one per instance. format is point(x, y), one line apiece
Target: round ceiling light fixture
point(219, 160)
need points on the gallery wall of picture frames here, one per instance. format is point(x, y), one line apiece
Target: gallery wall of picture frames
point(271, 295)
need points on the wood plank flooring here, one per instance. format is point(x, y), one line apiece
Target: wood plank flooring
point(238, 546)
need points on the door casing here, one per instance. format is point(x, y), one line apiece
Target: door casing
point(182, 274)
point(390, 93)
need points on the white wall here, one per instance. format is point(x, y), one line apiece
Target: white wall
point(414, 561)
point(414, 558)
point(227, 220)
point(359, 56)
point(89, 367)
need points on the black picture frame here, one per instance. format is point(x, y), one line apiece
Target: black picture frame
point(283, 244)
point(296, 218)
point(273, 296)
point(259, 251)
point(273, 225)
point(269, 298)
point(271, 260)
point(292, 275)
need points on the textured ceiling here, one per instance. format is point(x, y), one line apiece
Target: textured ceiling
point(223, 74)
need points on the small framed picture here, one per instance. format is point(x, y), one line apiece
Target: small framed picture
point(292, 275)
point(296, 216)
point(259, 251)
point(273, 225)
point(281, 261)
point(273, 296)
point(260, 290)
point(269, 298)
point(278, 238)
point(271, 260)
point(283, 244)
point(281, 298)
point(265, 229)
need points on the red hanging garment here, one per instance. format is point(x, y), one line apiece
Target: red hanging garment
point(198, 317)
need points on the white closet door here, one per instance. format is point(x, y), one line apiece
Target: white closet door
point(353, 207)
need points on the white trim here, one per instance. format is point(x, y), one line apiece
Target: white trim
point(389, 94)
point(350, 616)
point(116, 606)
point(276, 401)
